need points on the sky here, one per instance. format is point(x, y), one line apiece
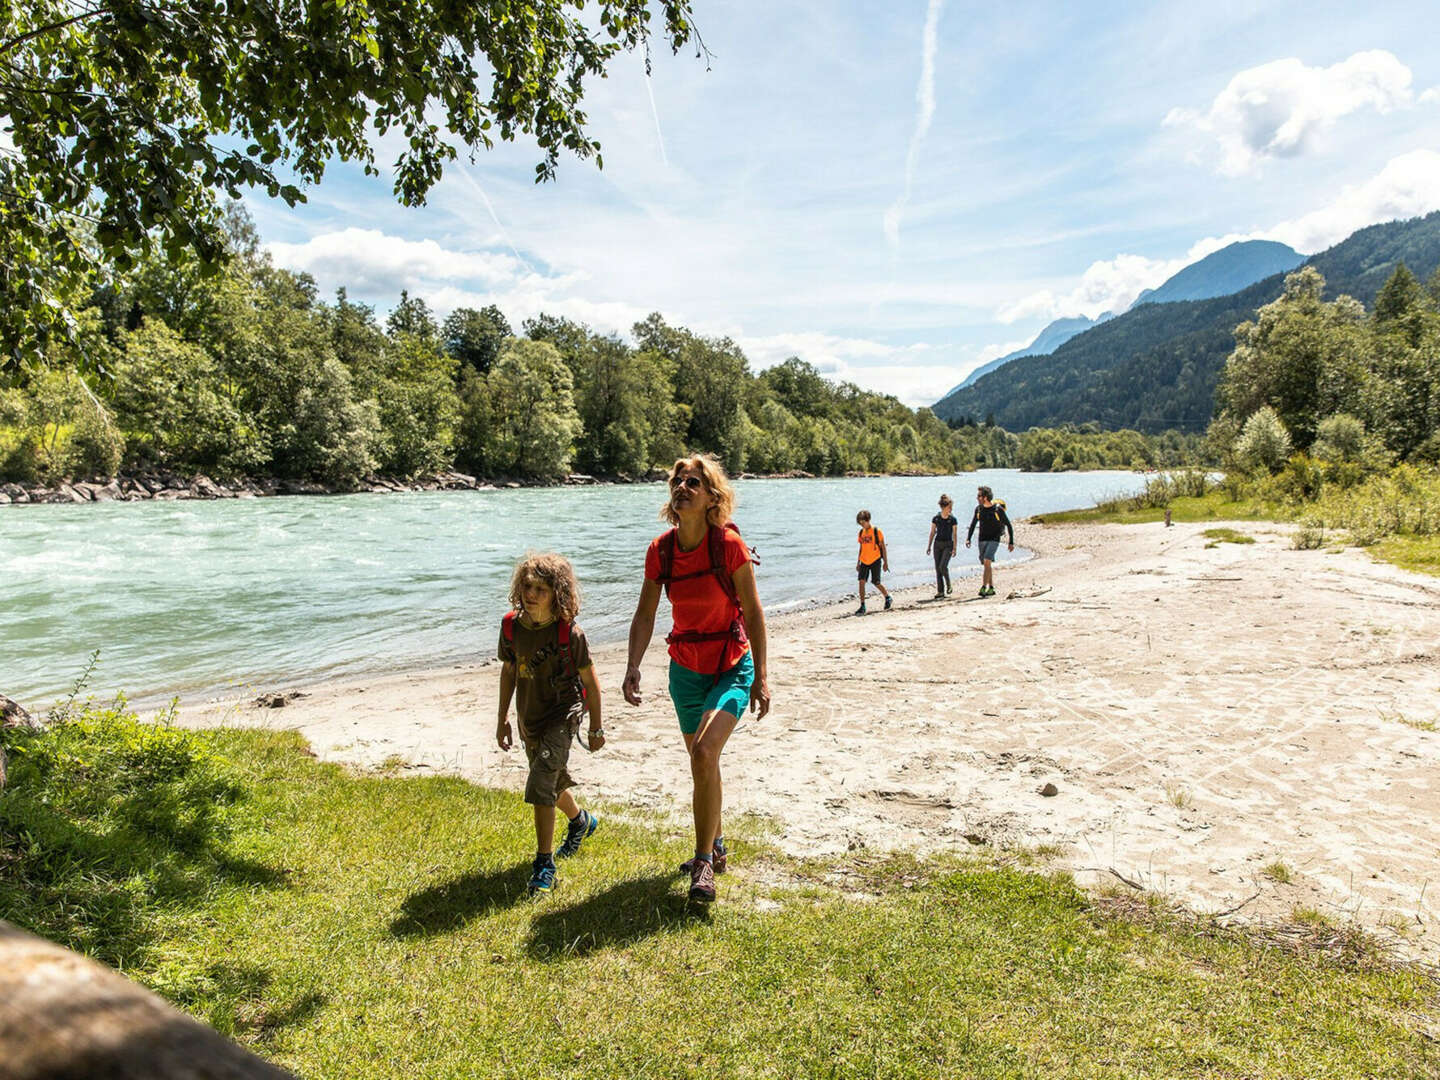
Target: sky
point(899, 193)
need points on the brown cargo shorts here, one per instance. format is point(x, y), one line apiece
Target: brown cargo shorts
point(548, 752)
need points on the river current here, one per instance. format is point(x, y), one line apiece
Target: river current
point(192, 597)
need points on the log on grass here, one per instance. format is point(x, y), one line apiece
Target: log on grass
point(63, 1016)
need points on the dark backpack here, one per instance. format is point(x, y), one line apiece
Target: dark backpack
point(715, 541)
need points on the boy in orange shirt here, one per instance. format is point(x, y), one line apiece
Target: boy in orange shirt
point(872, 557)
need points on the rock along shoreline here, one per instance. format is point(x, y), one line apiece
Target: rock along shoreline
point(169, 487)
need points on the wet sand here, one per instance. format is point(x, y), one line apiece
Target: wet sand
point(1203, 712)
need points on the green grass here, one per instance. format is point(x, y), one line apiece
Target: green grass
point(1420, 553)
point(373, 926)
point(1215, 505)
point(1226, 536)
point(1278, 872)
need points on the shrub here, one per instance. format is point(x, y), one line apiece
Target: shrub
point(1264, 443)
point(104, 820)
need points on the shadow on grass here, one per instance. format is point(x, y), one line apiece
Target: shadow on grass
point(621, 915)
point(238, 998)
point(451, 904)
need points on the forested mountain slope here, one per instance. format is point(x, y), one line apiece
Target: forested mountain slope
point(1156, 366)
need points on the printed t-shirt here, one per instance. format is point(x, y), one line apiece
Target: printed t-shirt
point(945, 528)
point(870, 541)
point(543, 695)
point(701, 603)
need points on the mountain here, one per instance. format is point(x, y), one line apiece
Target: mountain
point(1226, 271)
point(1046, 342)
point(1156, 366)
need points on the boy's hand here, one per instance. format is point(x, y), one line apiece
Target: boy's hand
point(597, 739)
point(631, 686)
point(886, 566)
point(503, 736)
point(1012, 547)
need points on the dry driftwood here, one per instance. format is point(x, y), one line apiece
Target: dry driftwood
point(63, 1016)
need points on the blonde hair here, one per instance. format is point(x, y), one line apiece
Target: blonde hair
point(712, 475)
point(556, 572)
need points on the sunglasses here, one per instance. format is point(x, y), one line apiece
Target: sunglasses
point(694, 483)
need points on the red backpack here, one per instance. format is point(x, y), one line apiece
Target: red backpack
point(715, 542)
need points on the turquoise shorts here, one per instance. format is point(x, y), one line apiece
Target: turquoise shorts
point(695, 694)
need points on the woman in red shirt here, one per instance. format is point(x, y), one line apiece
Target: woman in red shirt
point(717, 646)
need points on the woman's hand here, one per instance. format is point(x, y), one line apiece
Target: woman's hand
point(760, 699)
point(631, 686)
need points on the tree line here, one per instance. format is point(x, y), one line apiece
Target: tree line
point(249, 372)
point(1330, 382)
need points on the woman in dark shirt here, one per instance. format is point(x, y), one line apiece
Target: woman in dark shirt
point(942, 539)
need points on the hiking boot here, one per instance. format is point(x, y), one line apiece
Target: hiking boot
point(984, 592)
point(989, 590)
point(949, 588)
point(889, 600)
point(702, 881)
point(860, 610)
point(939, 596)
point(576, 833)
point(543, 877)
point(717, 856)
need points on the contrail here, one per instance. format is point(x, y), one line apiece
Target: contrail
point(464, 172)
point(924, 113)
point(656, 113)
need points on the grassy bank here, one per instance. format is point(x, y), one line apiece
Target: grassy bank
point(1394, 514)
point(362, 925)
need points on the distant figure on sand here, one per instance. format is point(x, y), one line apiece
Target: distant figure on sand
point(943, 527)
point(872, 556)
point(717, 646)
point(545, 666)
point(990, 516)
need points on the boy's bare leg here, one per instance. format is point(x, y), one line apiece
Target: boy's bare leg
point(989, 580)
point(566, 804)
point(862, 590)
point(545, 830)
point(705, 746)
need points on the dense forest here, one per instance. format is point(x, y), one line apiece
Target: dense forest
point(1157, 367)
point(248, 372)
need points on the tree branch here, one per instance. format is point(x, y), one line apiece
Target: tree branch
point(40, 31)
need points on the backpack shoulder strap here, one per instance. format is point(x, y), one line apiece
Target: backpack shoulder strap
point(667, 556)
point(507, 626)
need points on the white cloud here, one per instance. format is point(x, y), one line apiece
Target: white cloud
point(924, 114)
point(1106, 285)
point(916, 374)
point(1430, 97)
point(1283, 108)
point(1408, 186)
point(369, 261)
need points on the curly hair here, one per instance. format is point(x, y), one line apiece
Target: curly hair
point(712, 474)
point(555, 571)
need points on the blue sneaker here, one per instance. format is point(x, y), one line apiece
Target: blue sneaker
point(543, 877)
point(576, 833)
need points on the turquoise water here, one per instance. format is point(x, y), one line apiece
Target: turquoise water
point(188, 597)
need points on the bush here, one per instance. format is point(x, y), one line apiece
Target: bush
point(1264, 443)
point(104, 820)
point(53, 429)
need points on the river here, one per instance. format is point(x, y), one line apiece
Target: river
point(195, 597)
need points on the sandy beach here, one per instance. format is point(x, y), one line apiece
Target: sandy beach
point(1203, 712)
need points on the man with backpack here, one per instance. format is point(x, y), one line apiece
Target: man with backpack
point(991, 518)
